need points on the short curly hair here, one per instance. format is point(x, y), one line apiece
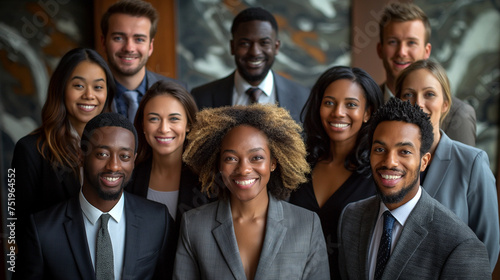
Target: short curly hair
point(284, 140)
point(397, 110)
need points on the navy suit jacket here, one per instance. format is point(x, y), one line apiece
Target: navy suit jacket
point(55, 245)
point(433, 244)
point(219, 93)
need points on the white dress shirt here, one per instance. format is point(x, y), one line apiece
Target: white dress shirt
point(116, 229)
point(241, 86)
point(401, 215)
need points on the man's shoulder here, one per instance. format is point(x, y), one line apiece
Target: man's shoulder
point(141, 204)
point(283, 81)
point(153, 77)
point(226, 82)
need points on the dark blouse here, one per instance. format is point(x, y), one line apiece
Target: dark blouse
point(355, 188)
point(39, 184)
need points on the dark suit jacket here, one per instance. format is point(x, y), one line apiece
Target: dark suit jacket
point(460, 178)
point(39, 185)
point(152, 77)
point(434, 244)
point(460, 122)
point(219, 93)
point(55, 246)
point(190, 195)
point(293, 248)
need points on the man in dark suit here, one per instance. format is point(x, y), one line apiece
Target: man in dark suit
point(128, 29)
point(405, 32)
point(63, 242)
point(403, 232)
point(254, 45)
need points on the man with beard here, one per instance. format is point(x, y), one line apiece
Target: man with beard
point(128, 29)
point(64, 242)
point(254, 45)
point(405, 32)
point(403, 232)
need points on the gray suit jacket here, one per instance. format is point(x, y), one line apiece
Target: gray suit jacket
point(434, 244)
point(219, 93)
point(460, 178)
point(460, 122)
point(55, 245)
point(294, 247)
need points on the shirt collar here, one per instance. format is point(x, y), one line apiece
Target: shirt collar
point(93, 214)
point(141, 89)
point(402, 212)
point(242, 85)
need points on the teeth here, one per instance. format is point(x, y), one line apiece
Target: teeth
point(87, 107)
point(111, 179)
point(165, 139)
point(339, 125)
point(245, 182)
point(255, 62)
point(390, 177)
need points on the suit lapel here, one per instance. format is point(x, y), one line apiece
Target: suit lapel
point(439, 166)
point(275, 234)
point(226, 240)
point(76, 234)
point(132, 226)
point(224, 95)
point(365, 235)
point(411, 237)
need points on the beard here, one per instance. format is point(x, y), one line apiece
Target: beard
point(106, 195)
point(399, 196)
point(254, 78)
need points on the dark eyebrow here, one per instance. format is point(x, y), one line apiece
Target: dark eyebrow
point(83, 79)
point(125, 35)
point(251, 150)
point(105, 147)
point(405, 144)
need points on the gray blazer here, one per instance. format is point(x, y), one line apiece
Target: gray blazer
point(219, 93)
point(460, 178)
point(434, 244)
point(460, 122)
point(294, 247)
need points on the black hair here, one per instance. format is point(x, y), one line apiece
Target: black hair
point(397, 110)
point(254, 13)
point(317, 141)
point(104, 120)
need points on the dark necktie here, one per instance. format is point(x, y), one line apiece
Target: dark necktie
point(131, 98)
point(254, 93)
point(384, 249)
point(104, 267)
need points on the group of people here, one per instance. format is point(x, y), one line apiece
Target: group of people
point(127, 179)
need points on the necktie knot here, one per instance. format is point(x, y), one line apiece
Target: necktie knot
point(384, 249)
point(132, 100)
point(254, 94)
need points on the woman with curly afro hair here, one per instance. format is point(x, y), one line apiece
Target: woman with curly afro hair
point(251, 157)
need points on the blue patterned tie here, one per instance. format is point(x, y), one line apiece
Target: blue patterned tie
point(254, 94)
point(384, 249)
point(133, 104)
point(104, 266)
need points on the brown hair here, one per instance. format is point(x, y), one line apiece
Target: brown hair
point(56, 142)
point(436, 70)
point(136, 8)
point(284, 141)
point(401, 12)
point(162, 87)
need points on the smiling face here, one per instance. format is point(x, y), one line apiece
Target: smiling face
point(422, 88)
point(108, 164)
point(165, 125)
point(246, 163)
point(85, 93)
point(403, 43)
point(254, 46)
point(396, 162)
point(128, 45)
point(343, 110)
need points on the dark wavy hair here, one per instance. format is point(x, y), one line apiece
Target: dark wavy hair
point(162, 88)
point(397, 110)
point(56, 142)
point(284, 141)
point(254, 13)
point(317, 140)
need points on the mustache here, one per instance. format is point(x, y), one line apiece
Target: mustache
point(383, 168)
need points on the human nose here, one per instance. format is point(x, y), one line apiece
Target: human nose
point(255, 49)
point(244, 167)
point(390, 159)
point(164, 127)
point(89, 93)
point(113, 163)
point(419, 100)
point(128, 45)
point(338, 111)
point(402, 49)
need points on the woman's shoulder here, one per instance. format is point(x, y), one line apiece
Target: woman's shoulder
point(459, 149)
point(27, 145)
